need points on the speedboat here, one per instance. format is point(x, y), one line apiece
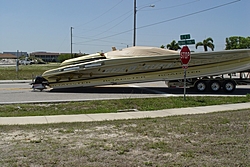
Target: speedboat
point(141, 64)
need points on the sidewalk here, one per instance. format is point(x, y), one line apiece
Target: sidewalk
point(119, 116)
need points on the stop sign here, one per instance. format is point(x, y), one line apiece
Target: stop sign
point(185, 55)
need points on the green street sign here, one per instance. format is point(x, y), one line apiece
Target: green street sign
point(186, 36)
point(182, 42)
point(186, 42)
point(190, 42)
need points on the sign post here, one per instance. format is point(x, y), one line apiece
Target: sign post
point(185, 58)
point(185, 55)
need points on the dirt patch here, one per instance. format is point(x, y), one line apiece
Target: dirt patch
point(218, 139)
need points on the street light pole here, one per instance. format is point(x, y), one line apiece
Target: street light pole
point(135, 11)
point(71, 28)
point(134, 23)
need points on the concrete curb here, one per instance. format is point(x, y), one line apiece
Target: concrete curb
point(14, 81)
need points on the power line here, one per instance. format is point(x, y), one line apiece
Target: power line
point(101, 26)
point(112, 42)
point(164, 21)
point(179, 17)
point(100, 14)
point(81, 43)
point(106, 36)
point(113, 26)
point(174, 6)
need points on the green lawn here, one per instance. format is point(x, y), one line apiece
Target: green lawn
point(215, 139)
point(113, 106)
point(25, 72)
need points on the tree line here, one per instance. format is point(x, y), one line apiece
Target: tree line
point(233, 42)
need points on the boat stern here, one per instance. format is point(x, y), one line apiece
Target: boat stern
point(40, 83)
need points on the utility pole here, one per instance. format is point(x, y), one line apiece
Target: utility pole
point(17, 64)
point(135, 11)
point(71, 29)
point(134, 23)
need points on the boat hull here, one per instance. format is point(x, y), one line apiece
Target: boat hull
point(147, 68)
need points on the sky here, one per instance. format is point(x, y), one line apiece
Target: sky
point(98, 25)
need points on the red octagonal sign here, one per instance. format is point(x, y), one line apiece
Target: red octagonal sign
point(185, 55)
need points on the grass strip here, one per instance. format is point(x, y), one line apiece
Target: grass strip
point(113, 106)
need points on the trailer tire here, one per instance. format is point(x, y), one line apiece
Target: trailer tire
point(214, 86)
point(229, 86)
point(201, 86)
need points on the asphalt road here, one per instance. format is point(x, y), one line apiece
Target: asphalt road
point(22, 92)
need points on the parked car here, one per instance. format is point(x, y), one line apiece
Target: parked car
point(25, 62)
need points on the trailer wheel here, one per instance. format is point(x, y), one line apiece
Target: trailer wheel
point(229, 86)
point(201, 86)
point(214, 86)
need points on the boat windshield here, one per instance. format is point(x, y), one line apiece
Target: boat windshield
point(83, 59)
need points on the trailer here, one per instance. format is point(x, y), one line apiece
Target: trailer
point(148, 64)
point(225, 82)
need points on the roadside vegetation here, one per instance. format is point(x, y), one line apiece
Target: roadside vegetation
point(215, 139)
point(114, 106)
point(25, 72)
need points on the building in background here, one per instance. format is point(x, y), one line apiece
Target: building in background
point(46, 56)
point(7, 59)
point(7, 56)
point(17, 54)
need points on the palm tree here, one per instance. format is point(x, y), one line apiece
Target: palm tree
point(162, 46)
point(173, 46)
point(207, 43)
